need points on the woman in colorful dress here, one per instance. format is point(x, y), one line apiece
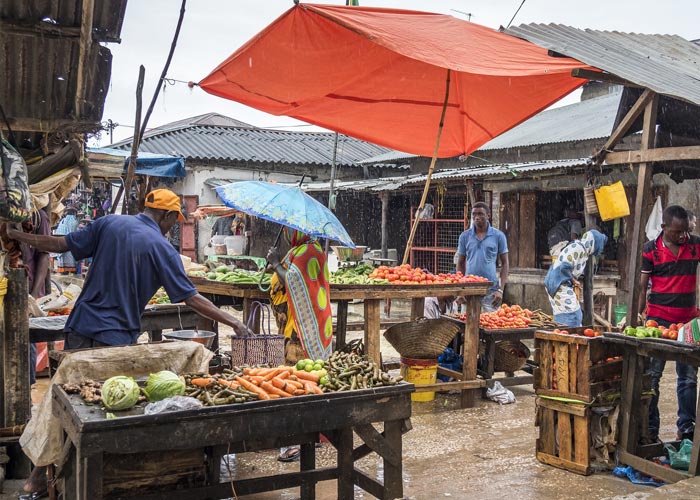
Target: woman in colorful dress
point(562, 278)
point(299, 293)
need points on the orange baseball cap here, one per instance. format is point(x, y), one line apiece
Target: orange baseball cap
point(164, 199)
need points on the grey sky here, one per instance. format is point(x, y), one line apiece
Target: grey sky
point(213, 29)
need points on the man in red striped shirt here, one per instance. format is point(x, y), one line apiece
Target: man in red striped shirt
point(670, 262)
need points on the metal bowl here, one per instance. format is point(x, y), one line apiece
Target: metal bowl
point(347, 254)
point(203, 337)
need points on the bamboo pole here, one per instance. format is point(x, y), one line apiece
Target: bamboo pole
point(409, 244)
point(134, 145)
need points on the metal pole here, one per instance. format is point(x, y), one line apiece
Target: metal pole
point(331, 204)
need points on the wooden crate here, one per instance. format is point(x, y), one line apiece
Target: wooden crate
point(574, 367)
point(564, 439)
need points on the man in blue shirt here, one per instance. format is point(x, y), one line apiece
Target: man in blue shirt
point(479, 249)
point(131, 259)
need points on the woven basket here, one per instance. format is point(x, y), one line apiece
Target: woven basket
point(422, 338)
point(258, 349)
point(505, 361)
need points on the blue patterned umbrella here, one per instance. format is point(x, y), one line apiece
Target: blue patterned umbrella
point(287, 205)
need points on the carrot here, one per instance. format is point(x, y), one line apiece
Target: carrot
point(255, 379)
point(306, 376)
point(299, 392)
point(283, 385)
point(252, 387)
point(250, 371)
point(229, 383)
point(202, 382)
point(264, 371)
point(273, 373)
point(271, 389)
point(274, 396)
point(284, 374)
point(312, 388)
point(295, 383)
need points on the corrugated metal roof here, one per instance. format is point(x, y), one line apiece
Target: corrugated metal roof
point(235, 144)
point(667, 64)
point(393, 183)
point(39, 64)
point(590, 119)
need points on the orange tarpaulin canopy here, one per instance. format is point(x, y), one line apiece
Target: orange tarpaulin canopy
point(379, 75)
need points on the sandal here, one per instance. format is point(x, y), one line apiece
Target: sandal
point(35, 495)
point(289, 455)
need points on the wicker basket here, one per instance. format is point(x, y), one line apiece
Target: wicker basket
point(422, 338)
point(505, 360)
point(258, 349)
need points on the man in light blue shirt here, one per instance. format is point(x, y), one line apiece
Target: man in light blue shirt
point(480, 248)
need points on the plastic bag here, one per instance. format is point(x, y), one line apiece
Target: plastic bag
point(15, 200)
point(500, 394)
point(175, 403)
point(612, 201)
point(690, 332)
point(64, 301)
point(635, 476)
point(680, 459)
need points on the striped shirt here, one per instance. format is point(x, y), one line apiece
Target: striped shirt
point(673, 295)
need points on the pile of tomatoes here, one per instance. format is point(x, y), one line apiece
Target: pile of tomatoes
point(588, 332)
point(407, 275)
point(670, 332)
point(506, 317)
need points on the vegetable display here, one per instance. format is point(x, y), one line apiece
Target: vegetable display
point(120, 393)
point(163, 384)
point(225, 274)
point(407, 275)
point(356, 275)
point(160, 297)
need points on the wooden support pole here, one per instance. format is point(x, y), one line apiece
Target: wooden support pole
point(384, 196)
point(409, 243)
point(15, 380)
point(683, 153)
point(88, 9)
point(134, 145)
point(643, 193)
point(588, 281)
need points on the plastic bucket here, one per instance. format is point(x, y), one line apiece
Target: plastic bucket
point(235, 245)
point(420, 372)
point(620, 312)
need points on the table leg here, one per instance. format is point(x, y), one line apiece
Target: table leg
point(88, 476)
point(155, 335)
point(632, 371)
point(417, 307)
point(308, 462)
point(247, 306)
point(470, 348)
point(372, 326)
point(393, 473)
point(346, 486)
point(694, 467)
point(341, 325)
point(491, 353)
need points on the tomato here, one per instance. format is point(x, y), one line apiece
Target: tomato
point(589, 332)
point(651, 323)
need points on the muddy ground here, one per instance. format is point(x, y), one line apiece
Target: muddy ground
point(486, 452)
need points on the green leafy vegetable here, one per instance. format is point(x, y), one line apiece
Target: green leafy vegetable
point(120, 393)
point(163, 384)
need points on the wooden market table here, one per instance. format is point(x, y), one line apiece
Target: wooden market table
point(102, 447)
point(490, 337)
point(372, 295)
point(630, 452)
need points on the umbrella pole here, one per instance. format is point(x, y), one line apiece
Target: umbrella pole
point(409, 244)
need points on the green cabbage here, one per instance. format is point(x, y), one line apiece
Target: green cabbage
point(164, 384)
point(120, 393)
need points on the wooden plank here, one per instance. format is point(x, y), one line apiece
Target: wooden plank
point(308, 463)
point(378, 443)
point(371, 338)
point(650, 468)
point(582, 367)
point(449, 373)
point(694, 467)
point(511, 381)
point(573, 364)
point(582, 440)
point(626, 123)
point(571, 408)
point(88, 476)
point(546, 349)
point(598, 76)
point(393, 470)
point(561, 372)
point(370, 485)
point(563, 464)
point(447, 386)
point(631, 387)
point(470, 348)
point(682, 153)
point(342, 324)
point(564, 435)
point(87, 11)
point(643, 194)
point(15, 381)
point(527, 243)
point(345, 465)
point(546, 443)
point(417, 308)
